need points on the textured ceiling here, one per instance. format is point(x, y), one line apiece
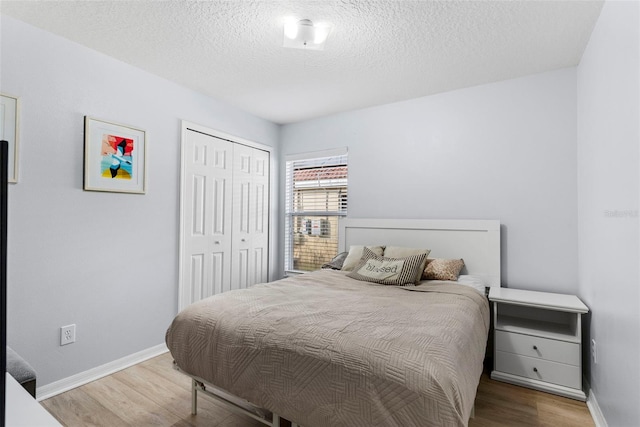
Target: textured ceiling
point(378, 52)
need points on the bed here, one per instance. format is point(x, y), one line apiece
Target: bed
point(324, 349)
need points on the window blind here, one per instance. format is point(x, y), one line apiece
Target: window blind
point(315, 197)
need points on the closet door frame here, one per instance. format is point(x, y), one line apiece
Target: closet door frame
point(190, 126)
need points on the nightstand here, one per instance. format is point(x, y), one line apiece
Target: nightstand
point(538, 340)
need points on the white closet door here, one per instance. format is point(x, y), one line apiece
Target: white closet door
point(207, 222)
point(260, 223)
point(250, 216)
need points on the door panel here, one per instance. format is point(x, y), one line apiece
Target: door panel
point(197, 276)
point(220, 206)
point(250, 236)
point(241, 272)
point(206, 221)
point(216, 273)
point(260, 218)
point(244, 209)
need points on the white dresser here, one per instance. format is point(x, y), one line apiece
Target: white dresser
point(22, 410)
point(538, 340)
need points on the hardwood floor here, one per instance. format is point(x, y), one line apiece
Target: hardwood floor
point(501, 404)
point(152, 393)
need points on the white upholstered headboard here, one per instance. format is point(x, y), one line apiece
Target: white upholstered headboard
point(475, 241)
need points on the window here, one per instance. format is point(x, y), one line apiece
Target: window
point(315, 197)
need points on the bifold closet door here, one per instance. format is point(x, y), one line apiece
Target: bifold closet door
point(206, 216)
point(225, 216)
point(250, 241)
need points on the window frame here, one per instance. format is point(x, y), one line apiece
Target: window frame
point(325, 158)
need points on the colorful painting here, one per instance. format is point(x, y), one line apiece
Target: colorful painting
point(115, 157)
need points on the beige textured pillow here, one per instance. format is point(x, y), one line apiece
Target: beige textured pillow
point(402, 252)
point(388, 271)
point(442, 269)
point(355, 253)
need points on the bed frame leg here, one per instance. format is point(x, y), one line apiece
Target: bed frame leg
point(194, 397)
point(276, 420)
point(473, 411)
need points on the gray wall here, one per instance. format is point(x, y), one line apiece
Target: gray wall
point(503, 151)
point(608, 196)
point(105, 261)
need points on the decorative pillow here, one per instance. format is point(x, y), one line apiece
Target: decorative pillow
point(337, 261)
point(402, 252)
point(442, 269)
point(388, 271)
point(355, 253)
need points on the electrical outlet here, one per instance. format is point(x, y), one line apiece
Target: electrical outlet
point(594, 354)
point(67, 334)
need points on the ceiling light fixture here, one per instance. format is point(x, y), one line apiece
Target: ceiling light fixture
point(303, 34)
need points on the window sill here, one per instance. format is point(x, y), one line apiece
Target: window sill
point(289, 273)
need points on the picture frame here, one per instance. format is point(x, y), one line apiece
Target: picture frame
point(115, 157)
point(10, 131)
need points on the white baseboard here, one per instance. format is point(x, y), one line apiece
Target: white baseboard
point(66, 384)
point(596, 412)
point(594, 408)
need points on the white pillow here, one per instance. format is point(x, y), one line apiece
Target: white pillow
point(476, 282)
point(355, 253)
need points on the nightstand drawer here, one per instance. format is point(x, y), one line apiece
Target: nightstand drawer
point(541, 348)
point(539, 369)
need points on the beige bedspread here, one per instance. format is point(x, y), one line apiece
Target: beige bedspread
point(322, 349)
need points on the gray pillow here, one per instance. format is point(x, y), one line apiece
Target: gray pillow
point(337, 261)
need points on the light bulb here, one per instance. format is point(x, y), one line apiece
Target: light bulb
point(291, 29)
point(302, 34)
point(321, 34)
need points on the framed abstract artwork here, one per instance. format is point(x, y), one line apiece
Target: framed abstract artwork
point(9, 130)
point(114, 157)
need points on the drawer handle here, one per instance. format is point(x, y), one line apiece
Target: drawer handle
point(535, 369)
point(535, 347)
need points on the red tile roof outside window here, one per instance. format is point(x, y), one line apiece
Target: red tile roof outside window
point(318, 174)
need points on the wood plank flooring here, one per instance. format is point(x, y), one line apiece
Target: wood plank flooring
point(152, 393)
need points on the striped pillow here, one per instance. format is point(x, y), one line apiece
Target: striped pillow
point(388, 271)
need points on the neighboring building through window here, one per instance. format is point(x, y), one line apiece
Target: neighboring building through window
point(316, 196)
